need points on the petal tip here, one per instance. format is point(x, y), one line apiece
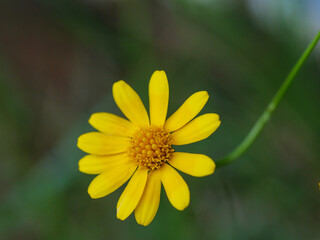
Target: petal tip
point(93, 115)
point(80, 165)
point(204, 93)
point(212, 166)
point(213, 116)
point(79, 142)
point(91, 119)
point(159, 72)
point(183, 207)
point(121, 216)
point(211, 170)
point(91, 194)
point(219, 122)
point(143, 223)
point(118, 83)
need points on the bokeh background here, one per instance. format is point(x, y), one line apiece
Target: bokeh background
point(58, 61)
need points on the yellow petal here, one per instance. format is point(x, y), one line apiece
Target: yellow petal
point(158, 98)
point(176, 188)
point(132, 194)
point(196, 130)
point(110, 180)
point(111, 124)
point(188, 110)
point(102, 144)
point(130, 104)
point(197, 165)
point(93, 164)
point(149, 203)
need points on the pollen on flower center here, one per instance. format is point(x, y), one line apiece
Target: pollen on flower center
point(151, 147)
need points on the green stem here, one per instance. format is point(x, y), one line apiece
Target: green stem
point(265, 116)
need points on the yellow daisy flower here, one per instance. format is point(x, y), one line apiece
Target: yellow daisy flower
point(141, 149)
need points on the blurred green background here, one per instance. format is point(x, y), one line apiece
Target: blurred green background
point(58, 61)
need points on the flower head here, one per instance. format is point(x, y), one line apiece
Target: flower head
point(141, 149)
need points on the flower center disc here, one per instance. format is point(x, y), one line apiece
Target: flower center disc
point(151, 147)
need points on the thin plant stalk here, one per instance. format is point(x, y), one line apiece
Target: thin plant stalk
point(265, 116)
